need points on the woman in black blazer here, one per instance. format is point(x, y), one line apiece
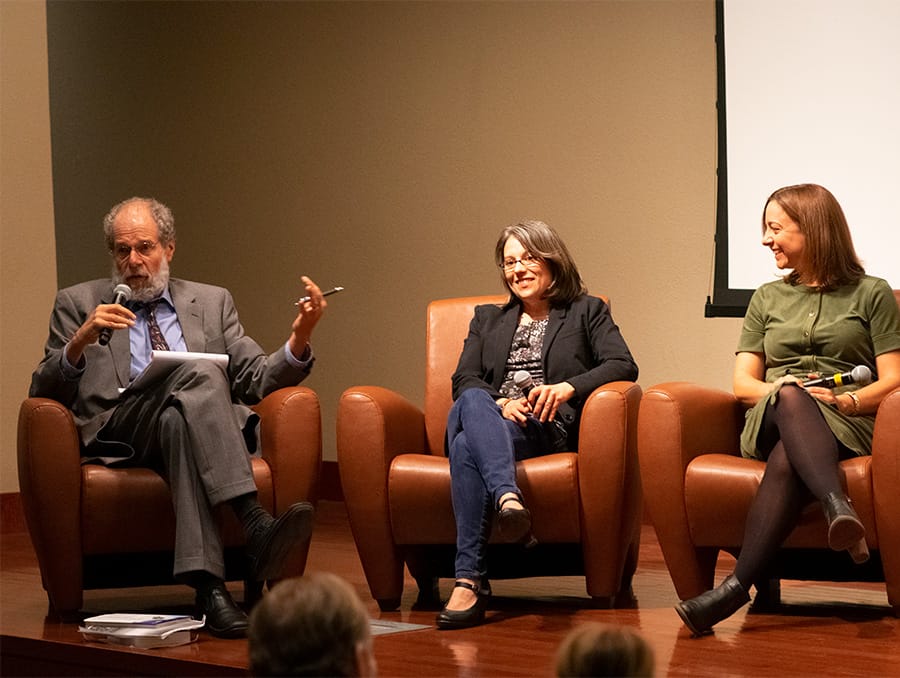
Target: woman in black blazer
point(566, 342)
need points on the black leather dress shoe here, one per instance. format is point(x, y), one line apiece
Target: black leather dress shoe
point(268, 550)
point(471, 616)
point(224, 618)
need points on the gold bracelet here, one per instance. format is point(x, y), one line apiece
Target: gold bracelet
point(855, 399)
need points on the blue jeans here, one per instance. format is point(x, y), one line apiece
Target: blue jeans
point(484, 448)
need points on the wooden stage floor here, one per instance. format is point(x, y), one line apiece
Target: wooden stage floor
point(821, 629)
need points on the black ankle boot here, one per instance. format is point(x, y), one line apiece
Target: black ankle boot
point(845, 528)
point(701, 613)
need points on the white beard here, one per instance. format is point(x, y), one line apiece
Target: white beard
point(155, 286)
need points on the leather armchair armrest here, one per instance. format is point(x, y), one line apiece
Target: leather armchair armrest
point(609, 482)
point(677, 422)
point(607, 452)
point(885, 481)
point(374, 425)
point(49, 462)
point(693, 419)
point(291, 443)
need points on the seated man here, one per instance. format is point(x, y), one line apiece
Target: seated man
point(313, 625)
point(193, 425)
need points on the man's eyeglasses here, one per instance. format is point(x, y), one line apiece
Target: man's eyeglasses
point(144, 250)
point(527, 260)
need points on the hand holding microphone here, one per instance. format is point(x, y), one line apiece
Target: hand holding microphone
point(860, 374)
point(565, 413)
point(121, 294)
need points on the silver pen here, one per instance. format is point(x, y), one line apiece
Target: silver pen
point(333, 290)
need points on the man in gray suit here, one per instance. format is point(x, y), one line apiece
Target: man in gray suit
point(193, 425)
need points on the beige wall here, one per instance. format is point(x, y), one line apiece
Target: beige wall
point(27, 258)
point(382, 146)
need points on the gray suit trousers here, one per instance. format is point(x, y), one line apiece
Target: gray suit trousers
point(186, 428)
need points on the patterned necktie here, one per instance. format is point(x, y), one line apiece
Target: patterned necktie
point(157, 340)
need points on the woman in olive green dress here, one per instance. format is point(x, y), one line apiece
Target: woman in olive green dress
point(825, 317)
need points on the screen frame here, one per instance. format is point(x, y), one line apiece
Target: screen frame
point(726, 302)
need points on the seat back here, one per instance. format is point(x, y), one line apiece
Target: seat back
point(447, 328)
point(448, 324)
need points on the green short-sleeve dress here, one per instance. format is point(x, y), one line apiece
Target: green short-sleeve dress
point(801, 330)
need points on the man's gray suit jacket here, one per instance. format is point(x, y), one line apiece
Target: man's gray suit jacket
point(210, 324)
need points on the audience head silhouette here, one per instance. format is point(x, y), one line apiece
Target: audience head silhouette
point(314, 625)
point(596, 649)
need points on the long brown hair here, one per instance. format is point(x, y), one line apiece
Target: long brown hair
point(830, 256)
point(542, 241)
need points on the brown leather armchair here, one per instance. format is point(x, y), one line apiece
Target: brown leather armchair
point(96, 527)
point(396, 483)
point(698, 491)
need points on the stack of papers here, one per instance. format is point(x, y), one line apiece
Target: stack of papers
point(163, 362)
point(142, 630)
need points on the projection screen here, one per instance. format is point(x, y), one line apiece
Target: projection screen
point(808, 91)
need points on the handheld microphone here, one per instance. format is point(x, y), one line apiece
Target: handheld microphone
point(860, 374)
point(121, 294)
point(523, 380)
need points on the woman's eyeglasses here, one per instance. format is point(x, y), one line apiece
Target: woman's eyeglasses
point(527, 260)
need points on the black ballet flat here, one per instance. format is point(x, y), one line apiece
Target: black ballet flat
point(471, 616)
point(515, 523)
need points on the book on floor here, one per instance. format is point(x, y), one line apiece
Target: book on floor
point(142, 630)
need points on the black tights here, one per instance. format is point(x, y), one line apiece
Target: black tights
point(802, 465)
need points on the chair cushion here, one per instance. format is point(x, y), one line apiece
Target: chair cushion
point(151, 520)
point(421, 511)
point(723, 486)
